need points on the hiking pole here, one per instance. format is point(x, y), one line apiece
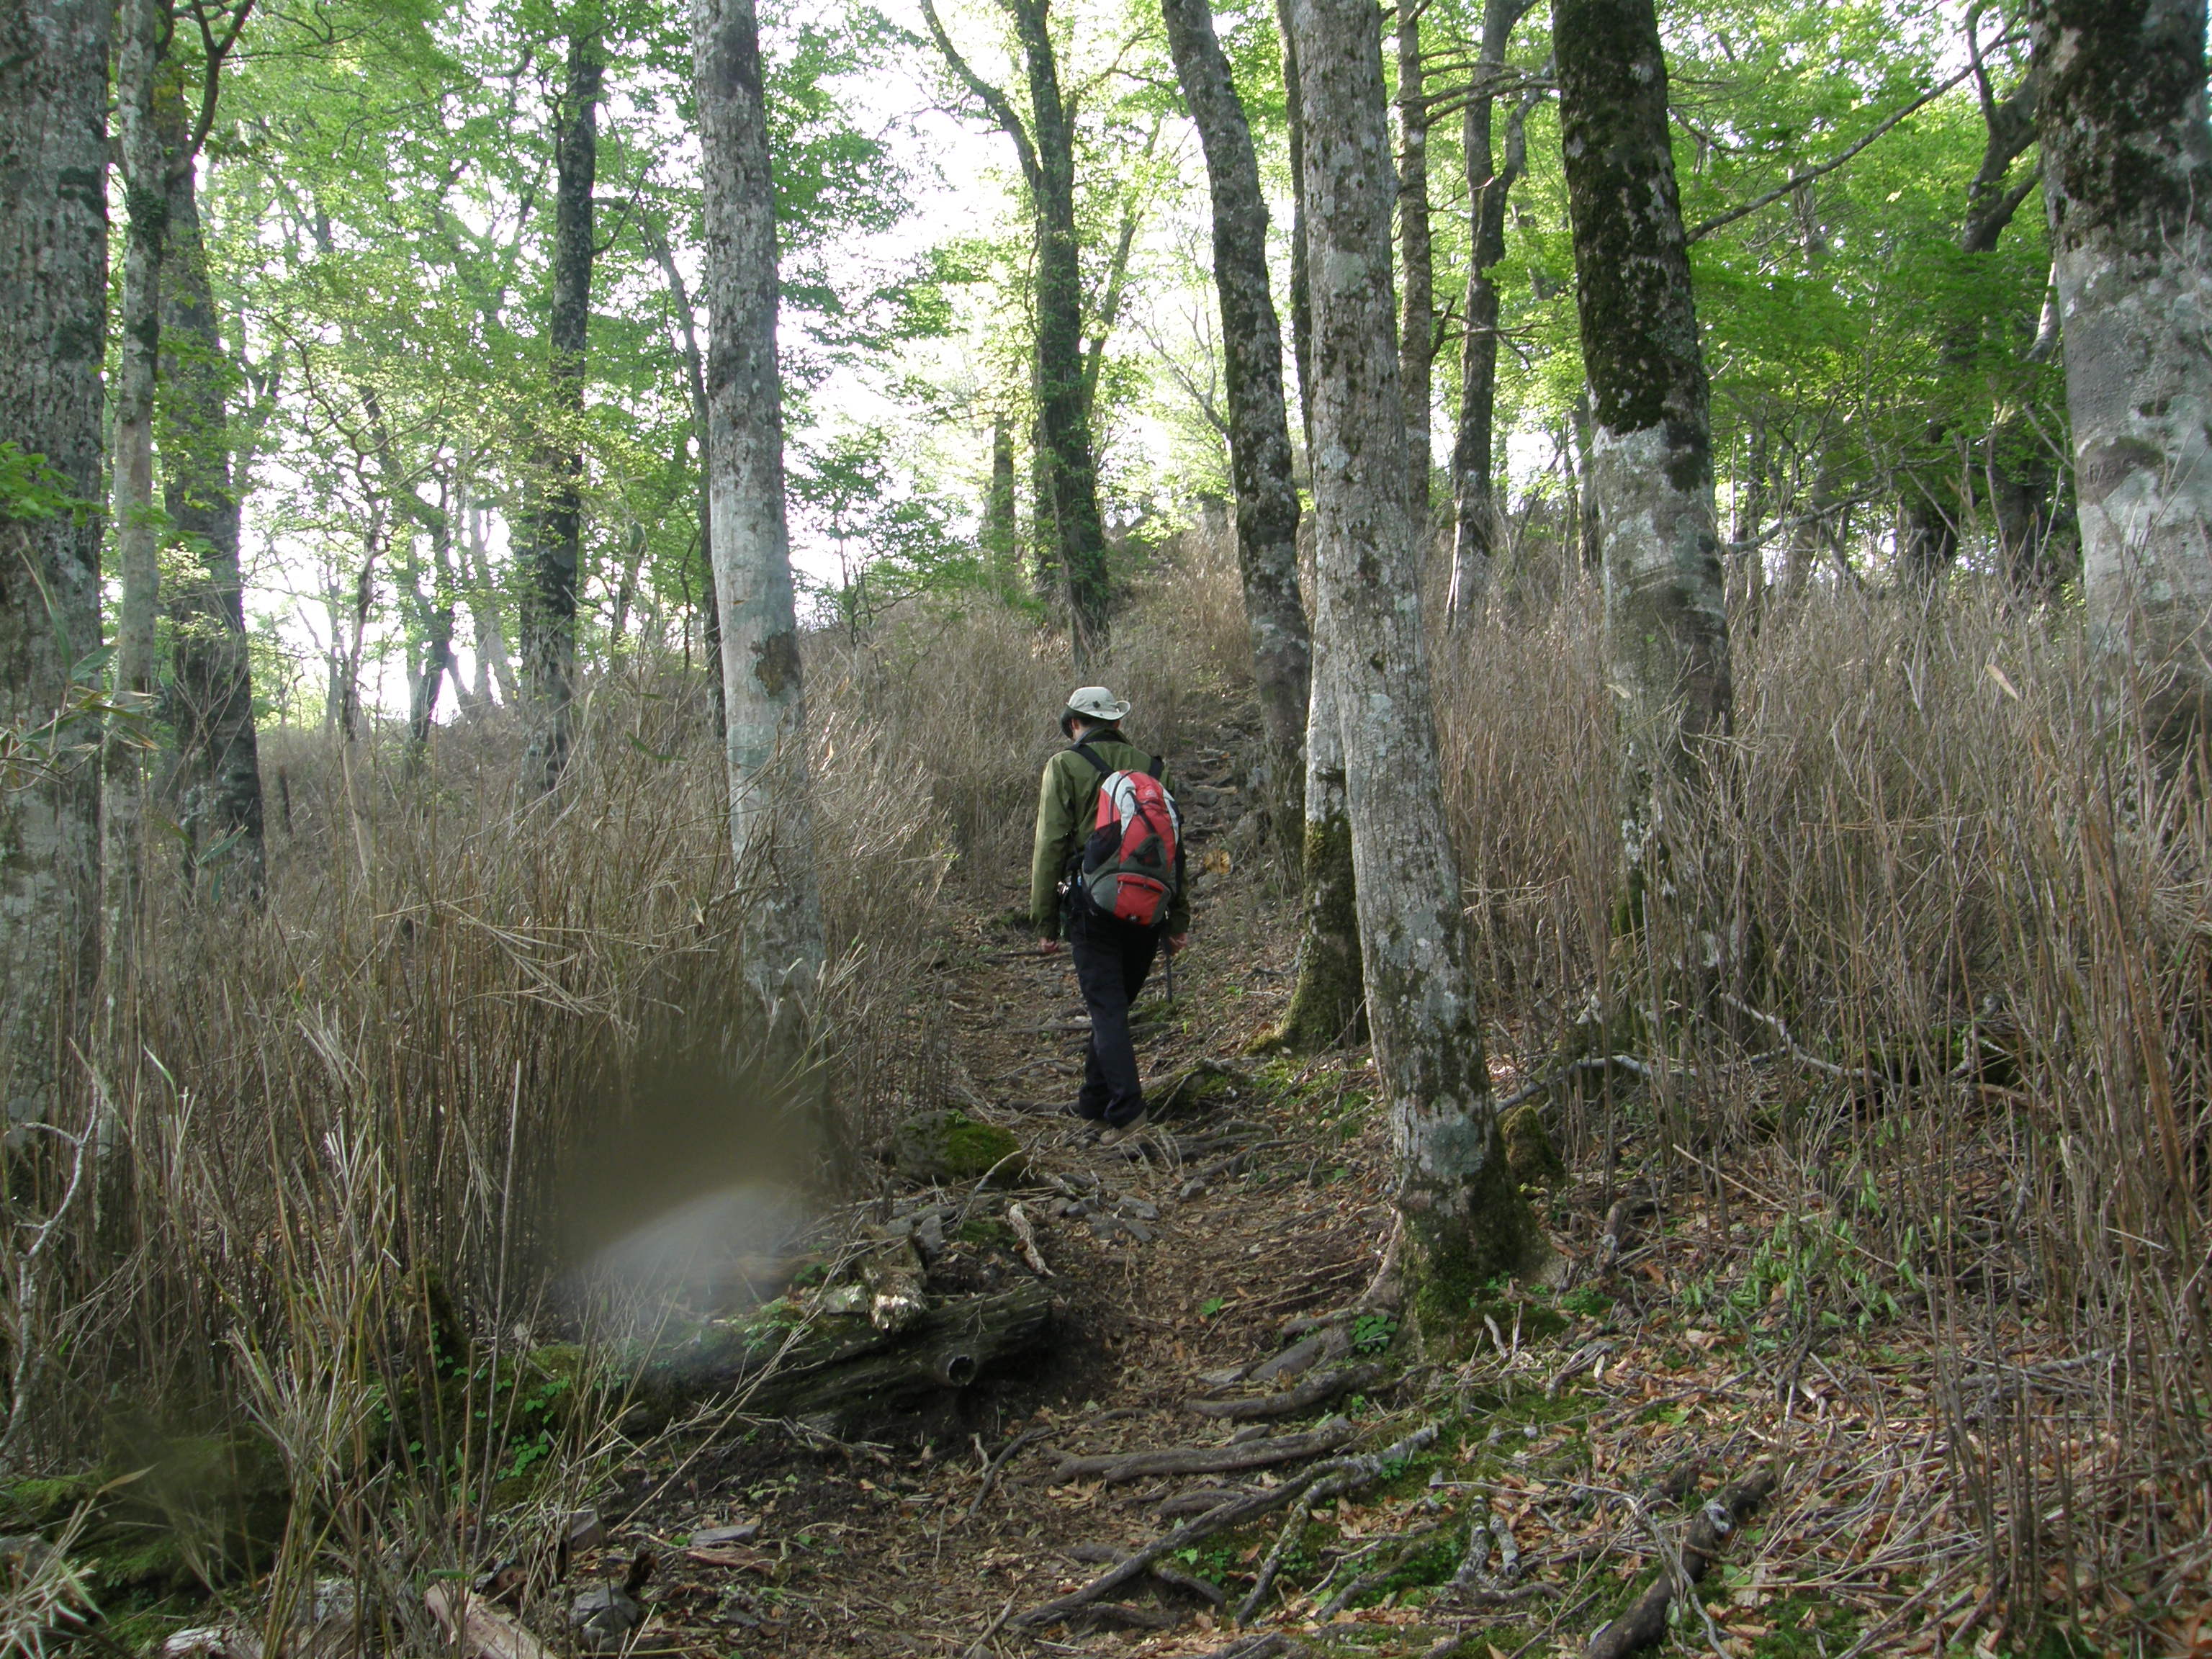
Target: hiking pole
point(1170, 948)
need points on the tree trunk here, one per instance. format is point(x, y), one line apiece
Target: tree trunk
point(1064, 414)
point(2125, 156)
point(1044, 517)
point(145, 167)
point(554, 556)
point(495, 668)
point(694, 377)
point(1474, 505)
point(1001, 537)
point(53, 310)
point(1417, 254)
point(1301, 292)
point(1463, 1214)
point(211, 704)
point(1259, 435)
point(1651, 472)
point(1329, 1002)
point(771, 820)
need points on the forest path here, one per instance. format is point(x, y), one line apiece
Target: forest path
point(1252, 1197)
point(1573, 1428)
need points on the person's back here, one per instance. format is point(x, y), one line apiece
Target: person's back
point(1112, 956)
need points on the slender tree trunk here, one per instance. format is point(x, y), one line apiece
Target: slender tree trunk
point(1474, 514)
point(1328, 1005)
point(1651, 471)
point(2126, 154)
point(555, 557)
point(771, 820)
point(695, 376)
point(1301, 292)
point(1417, 255)
point(495, 667)
point(53, 310)
point(144, 167)
point(1259, 435)
point(1001, 537)
point(1462, 1214)
point(1062, 407)
point(218, 752)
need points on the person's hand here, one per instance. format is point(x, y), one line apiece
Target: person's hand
point(1176, 941)
point(1049, 947)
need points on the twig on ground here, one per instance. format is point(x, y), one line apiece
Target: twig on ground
point(975, 1648)
point(996, 1467)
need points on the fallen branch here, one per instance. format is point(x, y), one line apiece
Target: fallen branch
point(1025, 1237)
point(1314, 1391)
point(1357, 1470)
point(481, 1632)
point(995, 1467)
point(1116, 1467)
point(1645, 1624)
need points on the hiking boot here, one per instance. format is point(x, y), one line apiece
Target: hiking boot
point(1115, 1137)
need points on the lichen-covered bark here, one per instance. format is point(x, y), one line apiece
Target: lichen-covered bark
point(1650, 483)
point(137, 530)
point(1258, 432)
point(1417, 257)
point(2127, 160)
point(1328, 1000)
point(218, 773)
point(1461, 1215)
point(771, 816)
point(1294, 125)
point(54, 308)
point(552, 560)
point(1489, 181)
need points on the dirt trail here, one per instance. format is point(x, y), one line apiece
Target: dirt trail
point(1252, 1198)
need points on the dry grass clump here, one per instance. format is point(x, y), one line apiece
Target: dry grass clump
point(1930, 957)
point(329, 1201)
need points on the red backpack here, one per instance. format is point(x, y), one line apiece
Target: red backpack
point(1133, 863)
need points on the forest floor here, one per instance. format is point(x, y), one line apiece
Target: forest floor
point(1580, 1430)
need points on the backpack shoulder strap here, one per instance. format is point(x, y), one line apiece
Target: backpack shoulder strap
point(1153, 771)
point(1085, 750)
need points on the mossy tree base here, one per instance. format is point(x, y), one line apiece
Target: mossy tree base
point(1328, 1005)
point(1454, 1259)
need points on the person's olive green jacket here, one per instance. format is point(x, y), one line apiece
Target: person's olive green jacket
point(1068, 809)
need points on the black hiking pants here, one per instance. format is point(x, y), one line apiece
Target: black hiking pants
point(1112, 957)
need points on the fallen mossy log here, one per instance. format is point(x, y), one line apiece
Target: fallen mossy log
point(843, 1367)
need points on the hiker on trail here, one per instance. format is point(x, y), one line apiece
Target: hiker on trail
point(1107, 874)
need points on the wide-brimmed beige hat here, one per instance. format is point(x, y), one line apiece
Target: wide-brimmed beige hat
point(1095, 702)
